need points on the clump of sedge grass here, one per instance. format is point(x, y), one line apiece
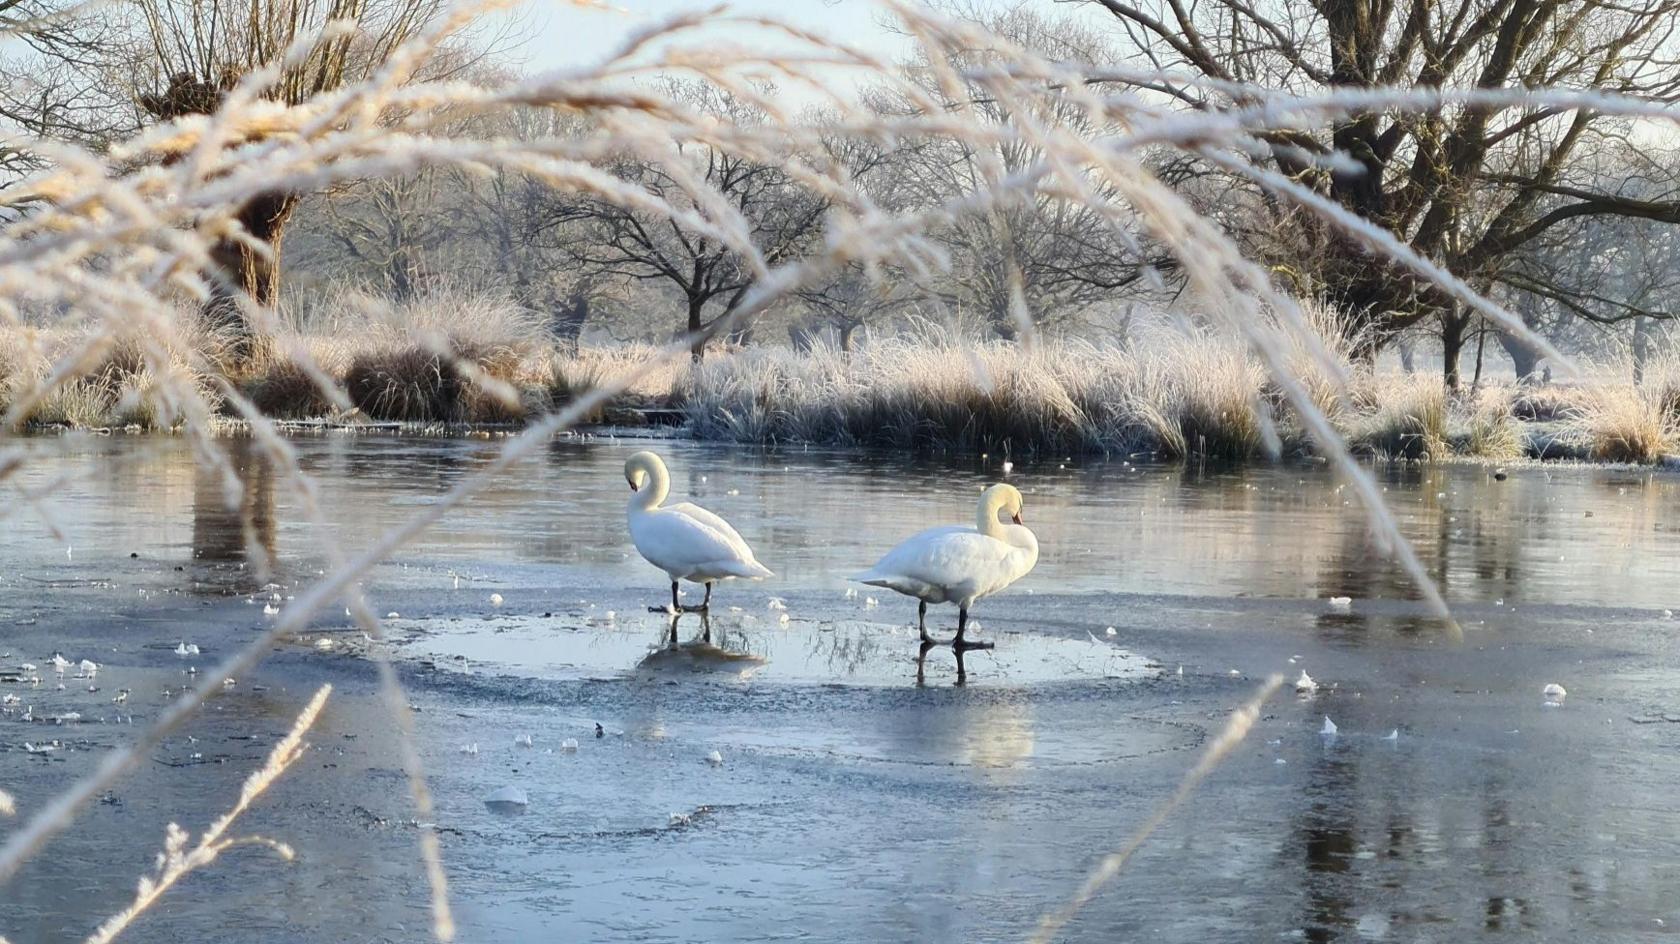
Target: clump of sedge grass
point(1623, 423)
point(1407, 417)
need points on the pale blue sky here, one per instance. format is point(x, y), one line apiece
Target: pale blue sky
point(563, 33)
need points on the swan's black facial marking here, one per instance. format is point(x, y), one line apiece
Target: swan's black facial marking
point(1016, 517)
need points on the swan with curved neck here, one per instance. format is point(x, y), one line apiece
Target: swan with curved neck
point(684, 540)
point(961, 565)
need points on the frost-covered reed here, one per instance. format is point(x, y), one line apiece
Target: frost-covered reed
point(178, 859)
point(102, 280)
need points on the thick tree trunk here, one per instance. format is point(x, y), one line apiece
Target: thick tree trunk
point(802, 338)
point(1481, 349)
point(847, 332)
point(1452, 346)
point(1523, 358)
point(566, 322)
point(697, 350)
point(243, 270)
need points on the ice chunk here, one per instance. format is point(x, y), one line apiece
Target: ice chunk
point(1340, 603)
point(1305, 684)
point(1554, 694)
point(1112, 631)
point(508, 800)
point(495, 599)
point(715, 759)
point(324, 644)
point(1329, 730)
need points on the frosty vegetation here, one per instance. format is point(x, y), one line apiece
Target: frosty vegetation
point(1179, 231)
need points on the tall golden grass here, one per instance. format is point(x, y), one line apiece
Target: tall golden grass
point(1169, 391)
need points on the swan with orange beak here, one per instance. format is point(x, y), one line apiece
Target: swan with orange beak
point(961, 565)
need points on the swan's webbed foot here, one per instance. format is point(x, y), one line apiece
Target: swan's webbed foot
point(677, 606)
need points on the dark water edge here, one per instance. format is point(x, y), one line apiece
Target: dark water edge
point(861, 806)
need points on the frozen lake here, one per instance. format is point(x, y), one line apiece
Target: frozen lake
point(862, 795)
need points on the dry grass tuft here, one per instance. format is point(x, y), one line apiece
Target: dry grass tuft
point(286, 390)
point(1624, 423)
point(1407, 418)
point(1493, 433)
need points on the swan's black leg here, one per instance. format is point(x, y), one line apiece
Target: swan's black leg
point(962, 670)
point(921, 662)
point(921, 623)
point(960, 643)
point(675, 606)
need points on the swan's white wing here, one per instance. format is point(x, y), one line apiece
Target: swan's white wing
point(942, 564)
point(686, 545)
point(714, 522)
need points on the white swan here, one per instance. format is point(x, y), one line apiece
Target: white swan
point(684, 540)
point(960, 565)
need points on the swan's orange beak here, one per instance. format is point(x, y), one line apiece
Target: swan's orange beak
point(1016, 517)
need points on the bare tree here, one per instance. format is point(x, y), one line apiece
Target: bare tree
point(44, 91)
point(1054, 250)
point(1466, 186)
point(379, 232)
point(165, 59)
point(614, 241)
point(851, 300)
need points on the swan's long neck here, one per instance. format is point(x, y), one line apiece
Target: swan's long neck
point(653, 491)
point(986, 519)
